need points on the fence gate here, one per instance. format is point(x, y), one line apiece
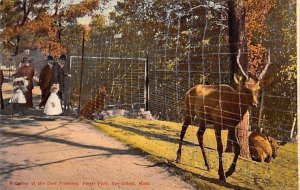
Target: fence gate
point(124, 78)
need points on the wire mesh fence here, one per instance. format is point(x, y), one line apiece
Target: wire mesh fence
point(190, 47)
point(123, 77)
point(186, 45)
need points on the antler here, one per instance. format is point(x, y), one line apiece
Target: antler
point(263, 72)
point(239, 64)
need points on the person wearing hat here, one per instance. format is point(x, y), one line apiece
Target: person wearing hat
point(58, 73)
point(65, 80)
point(58, 77)
point(45, 80)
point(26, 71)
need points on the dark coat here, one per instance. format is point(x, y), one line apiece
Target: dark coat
point(45, 78)
point(1, 77)
point(58, 75)
point(28, 73)
point(66, 75)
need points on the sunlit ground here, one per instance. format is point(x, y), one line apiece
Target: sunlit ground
point(159, 139)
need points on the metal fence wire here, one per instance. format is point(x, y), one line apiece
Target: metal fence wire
point(124, 79)
point(188, 47)
point(154, 67)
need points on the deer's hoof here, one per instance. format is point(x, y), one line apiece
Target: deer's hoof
point(178, 158)
point(222, 178)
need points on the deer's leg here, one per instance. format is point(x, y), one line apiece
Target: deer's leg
point(229, 146)
point(200, 133)
point(220, 152)
point(185, 125)
point(236, 152)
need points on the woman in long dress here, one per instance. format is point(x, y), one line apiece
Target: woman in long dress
point(53, 105)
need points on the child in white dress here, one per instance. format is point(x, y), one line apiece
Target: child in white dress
point(18, 99)
point(53, 104)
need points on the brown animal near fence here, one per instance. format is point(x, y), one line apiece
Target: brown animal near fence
point(96, 104)
point(1, 95)
point(224, 107)
point(263, 148)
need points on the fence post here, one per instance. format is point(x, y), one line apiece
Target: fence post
point(261, 108)
point(81, 72)
point(146, 87)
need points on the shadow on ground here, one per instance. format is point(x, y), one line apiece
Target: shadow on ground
point(33, 117)
point(170, 165)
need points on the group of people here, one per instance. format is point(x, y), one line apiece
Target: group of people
point(51, 81)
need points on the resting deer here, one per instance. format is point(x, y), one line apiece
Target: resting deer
point(224, 107)
point(263, 148)
point(94, 105)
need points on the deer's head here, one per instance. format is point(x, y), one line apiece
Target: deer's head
point(275, 144)
point(102, 91)
point(251, 85)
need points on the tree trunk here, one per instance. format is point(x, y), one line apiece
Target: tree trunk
point(17, 46)
point(242, 133)
point(56, 14)
point(237, 35)
point(238, 40)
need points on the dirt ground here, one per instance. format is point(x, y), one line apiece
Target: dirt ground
point(37, 154)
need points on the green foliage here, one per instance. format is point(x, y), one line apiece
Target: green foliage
point(98, 22)
point(281, 30)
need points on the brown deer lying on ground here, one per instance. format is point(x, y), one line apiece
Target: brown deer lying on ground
point(95, 104)
point(263, 147)
point(224, 107)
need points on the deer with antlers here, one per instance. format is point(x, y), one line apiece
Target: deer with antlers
point(223, 107)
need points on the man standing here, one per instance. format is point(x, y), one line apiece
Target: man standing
point(65, 80)
point(26, 71)
point(45, 80)
point(58, 77)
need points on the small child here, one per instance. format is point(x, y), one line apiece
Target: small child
point(18, 99)
point(53, 105)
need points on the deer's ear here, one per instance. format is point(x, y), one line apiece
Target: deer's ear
point(266, 82)
point(282, 143)
point(102, 88)
point(237, 78)
point(269, 138)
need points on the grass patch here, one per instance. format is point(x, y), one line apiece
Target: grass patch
point(160, 140)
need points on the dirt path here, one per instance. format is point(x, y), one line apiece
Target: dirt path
point(66, 154)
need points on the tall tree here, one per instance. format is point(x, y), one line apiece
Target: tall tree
point(15, 14)
point(238, 41)
point(237, 34)
point(253, 17)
